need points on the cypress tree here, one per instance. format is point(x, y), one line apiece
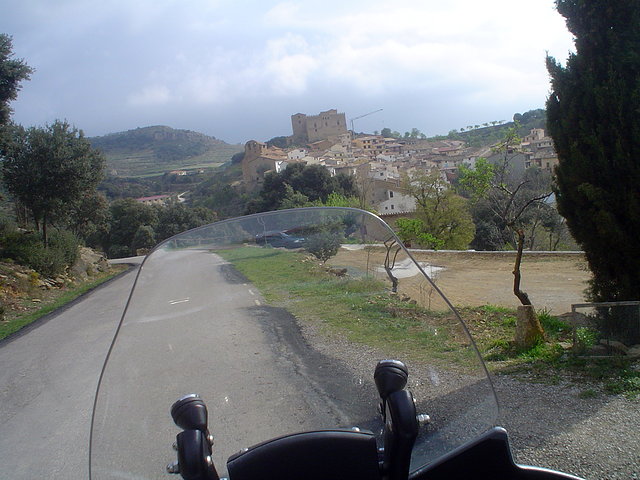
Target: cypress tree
point(593, 116)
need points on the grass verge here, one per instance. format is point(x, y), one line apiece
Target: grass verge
point(360, 308)
point(363, 309)
point(551, 360)
point(14, 322)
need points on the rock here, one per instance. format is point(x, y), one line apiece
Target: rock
point(615, 345)
point(339, 272)
point(87, 263)
point(634, 351)
point(528, 328)
point(597, 351)
point(576, 319)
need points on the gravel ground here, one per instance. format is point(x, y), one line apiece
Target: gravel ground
point(550, 426)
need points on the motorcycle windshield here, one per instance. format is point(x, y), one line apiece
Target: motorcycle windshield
point(283, 339)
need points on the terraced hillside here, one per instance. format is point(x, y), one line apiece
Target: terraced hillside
point(159, 149)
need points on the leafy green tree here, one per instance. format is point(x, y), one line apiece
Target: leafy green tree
point(144, 238)
point(127, 216)
point(280, 142)
point(293, 199)
point(593, 118)
point(338, 200)
point(413, 230)
point(415, 133)
point(443, 213)
point(491, 232)
point(48, 168)
point(217, 193)
point(12, 73)
point(87, 217)
point(176, 218)
point(287, 188)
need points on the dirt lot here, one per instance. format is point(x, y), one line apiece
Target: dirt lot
point(553, 280)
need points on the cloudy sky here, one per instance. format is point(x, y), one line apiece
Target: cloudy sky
point(237, 69)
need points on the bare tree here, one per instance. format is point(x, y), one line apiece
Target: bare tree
point(509, 197)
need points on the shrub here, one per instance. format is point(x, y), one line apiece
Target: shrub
point(28, 249)
point(323, 245)
point(64, 244)
point(552, 325)
point(585, 338)
point(119, 251)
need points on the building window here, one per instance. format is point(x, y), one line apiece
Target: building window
point(390, 194)
point(391, 207)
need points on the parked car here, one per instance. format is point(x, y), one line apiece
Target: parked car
point(279, 239)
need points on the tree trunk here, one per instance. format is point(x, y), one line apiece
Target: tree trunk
point(528, 329)
point(388, 265)
point(522, 296)
point(44, 231)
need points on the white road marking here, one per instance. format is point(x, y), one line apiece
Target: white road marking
point(175, 302)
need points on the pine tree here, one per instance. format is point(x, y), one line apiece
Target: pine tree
point(594, 119)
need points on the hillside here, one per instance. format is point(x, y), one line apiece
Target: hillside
point(489, 135)
point(158, 149)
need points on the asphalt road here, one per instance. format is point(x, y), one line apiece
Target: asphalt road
point(48, 377)
point(197, 327)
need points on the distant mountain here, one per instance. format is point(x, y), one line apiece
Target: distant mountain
point(159, 149)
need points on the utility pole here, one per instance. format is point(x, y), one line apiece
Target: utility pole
point(362, 116)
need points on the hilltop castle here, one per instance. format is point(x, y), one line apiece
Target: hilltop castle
point(317, 127)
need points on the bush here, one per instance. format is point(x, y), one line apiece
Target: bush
point(119, 251)
point(65, 245)
point(323, 245)
point(552, 325)
point(28, 249)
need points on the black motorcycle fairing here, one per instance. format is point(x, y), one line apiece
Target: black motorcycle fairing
point(310, 455)
point(486, 458)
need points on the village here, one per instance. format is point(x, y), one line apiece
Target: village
point(379, 163)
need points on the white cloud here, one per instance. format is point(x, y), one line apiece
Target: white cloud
point(151, 95)
point(288, 64)
point(197, 55)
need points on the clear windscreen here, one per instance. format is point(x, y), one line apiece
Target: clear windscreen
point(277, 321)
